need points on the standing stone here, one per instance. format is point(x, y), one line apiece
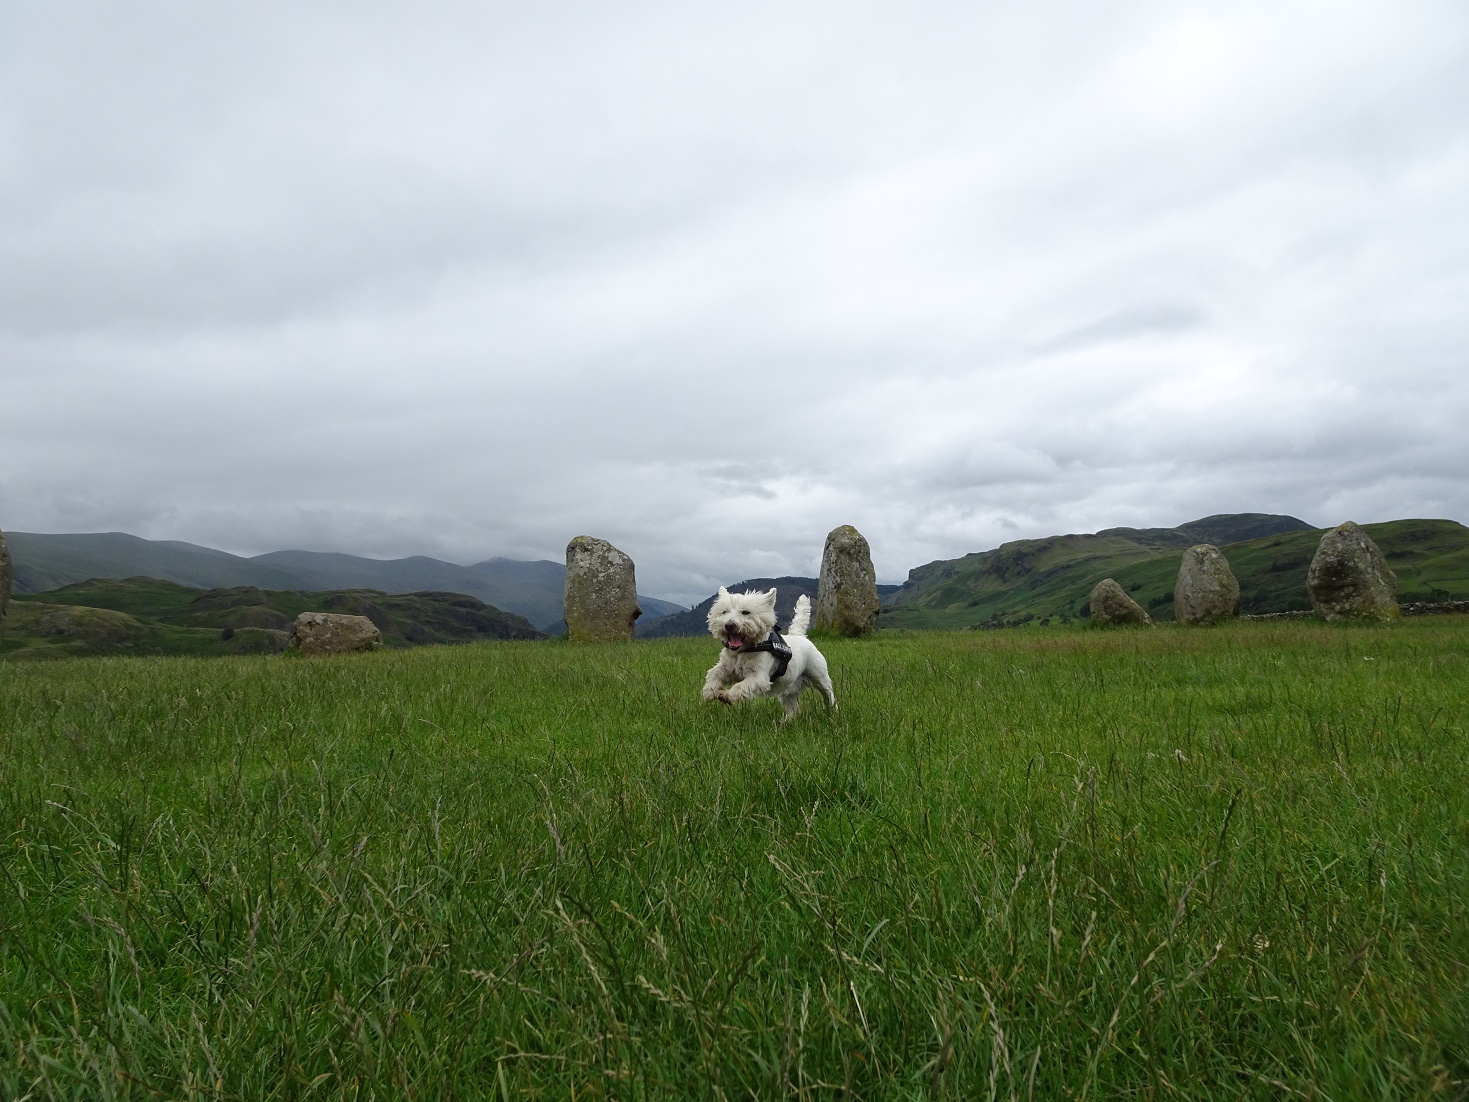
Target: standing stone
point(1207, 591)
point(7, 576)
point(1349, 578)
point(1111, 606)
point(846, 594)
point(334, 633)
point(601, 592)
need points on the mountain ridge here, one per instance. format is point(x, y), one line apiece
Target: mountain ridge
point(532, 589)
point(1051, 578)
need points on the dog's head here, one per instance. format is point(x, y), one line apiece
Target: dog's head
point(741, 620)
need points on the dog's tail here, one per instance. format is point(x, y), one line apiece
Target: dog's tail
point(802, 619)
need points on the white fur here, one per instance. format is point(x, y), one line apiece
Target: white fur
point(747, 619)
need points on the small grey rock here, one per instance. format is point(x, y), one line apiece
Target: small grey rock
point(1207, 591)
point(601, 592)
point(334, 633)
point(846, 594)
point(1349, 579)
point(1112, 607)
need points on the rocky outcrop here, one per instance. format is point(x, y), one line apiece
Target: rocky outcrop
point(601, 592)
point(7, 578)
point(1349, 579)
point(1112, 607)
point(334, 633)
point(1207, 591)
point(846, 593)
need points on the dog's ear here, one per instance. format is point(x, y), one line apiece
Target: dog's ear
point(770, 596)
point(723, 592)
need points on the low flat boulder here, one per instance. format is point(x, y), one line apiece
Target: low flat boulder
point(1349, 579)
point(1207, 591)
point(1112, 607)
point(334, 633)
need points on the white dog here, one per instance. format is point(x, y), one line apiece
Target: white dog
point(756, 661)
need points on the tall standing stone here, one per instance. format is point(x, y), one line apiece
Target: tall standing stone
point(1111, 606)
point(1349, 579)
point(846, 595)
point(1207, 591)
point(7, 577)
point(601, 592)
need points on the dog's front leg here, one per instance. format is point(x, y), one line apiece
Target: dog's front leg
point(756, 684)
point(718, 677)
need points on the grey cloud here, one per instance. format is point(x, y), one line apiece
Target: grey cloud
point(1157, 320)
point(708, 281)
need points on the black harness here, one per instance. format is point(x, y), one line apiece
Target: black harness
point(773, 645)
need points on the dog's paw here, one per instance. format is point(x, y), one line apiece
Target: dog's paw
point(710, 695)
point(723, 697)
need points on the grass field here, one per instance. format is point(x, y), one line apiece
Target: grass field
point(1051, 863)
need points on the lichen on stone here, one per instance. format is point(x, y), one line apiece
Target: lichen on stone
point(1349, 579)
point(1207, 591)
point(601, 592)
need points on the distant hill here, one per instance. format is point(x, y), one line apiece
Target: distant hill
point(530, 589)
point(145, 616)
point(695, 621)
point(1051, 578)
point(1429, 557)
point(654, 610)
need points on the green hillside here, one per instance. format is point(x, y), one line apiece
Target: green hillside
point(146, 616)
point(1050, 579)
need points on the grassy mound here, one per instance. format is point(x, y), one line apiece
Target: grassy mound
point(149, 616)
point(1046, 864)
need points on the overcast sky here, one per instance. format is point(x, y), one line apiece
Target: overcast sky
point(707, 280)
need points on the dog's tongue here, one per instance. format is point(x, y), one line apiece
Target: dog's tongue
point(735, 642)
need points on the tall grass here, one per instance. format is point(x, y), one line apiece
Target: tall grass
point(1037, 864)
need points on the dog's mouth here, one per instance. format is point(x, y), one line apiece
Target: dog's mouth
point(733, 639)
